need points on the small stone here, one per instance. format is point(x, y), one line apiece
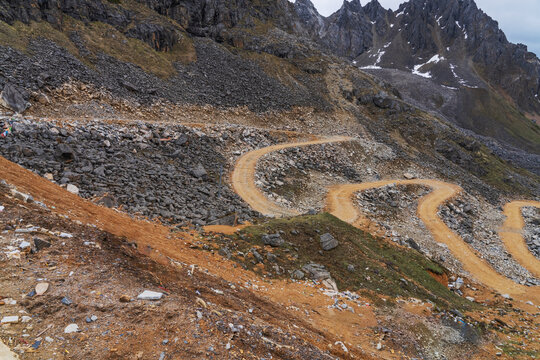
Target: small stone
point(10, 320)
point(165, 342)
point(24, 245)
point(506, 296)
point(42, 288)
point(350, 268)
point(49, 176)
point(72, 189)
point(124, 299)
point(379, 346)
point(298, 274)
point(26, 319)
point(149, 295)
point(71, 328)
point(49, 339)
point(409, 176)
point(66, 301)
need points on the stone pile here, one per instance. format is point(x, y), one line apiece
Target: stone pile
point(531, 231)
point(172, 172)
point(470, 219)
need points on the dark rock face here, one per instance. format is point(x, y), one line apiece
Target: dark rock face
point(455, 30)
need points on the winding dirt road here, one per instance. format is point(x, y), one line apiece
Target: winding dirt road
point(339, 202)
point(243, 177)
point(511, 235)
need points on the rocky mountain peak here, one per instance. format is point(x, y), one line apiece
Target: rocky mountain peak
point(374, 10)
point(353, 6)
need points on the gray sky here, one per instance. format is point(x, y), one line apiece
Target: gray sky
point(519, 19)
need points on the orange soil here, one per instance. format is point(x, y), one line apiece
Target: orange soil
point(159, 243)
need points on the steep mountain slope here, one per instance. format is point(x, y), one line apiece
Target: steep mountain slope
point(266, 55)
point(492, 83)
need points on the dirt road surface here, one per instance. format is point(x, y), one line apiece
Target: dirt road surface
point(511, 235)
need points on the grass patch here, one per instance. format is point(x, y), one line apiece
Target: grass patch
point(380, 267)
point(514, 350)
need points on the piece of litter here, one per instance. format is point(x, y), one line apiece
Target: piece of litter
point(149, 295)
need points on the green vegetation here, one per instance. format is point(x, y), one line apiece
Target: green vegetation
point(492, 115)
point(514, 350)
point(381, 268)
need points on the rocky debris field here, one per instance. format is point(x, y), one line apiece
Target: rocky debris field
point(477, 223)
point(298, 177)
point(393, 209)
point(218, 77)
point(72, 291)
point(172, 172)
point(531, 231)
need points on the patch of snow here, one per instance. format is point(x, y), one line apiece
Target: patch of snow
point(460, 80)
point(370, 67)
point(387, 45)
point(391, 25)
point(380, 53)
point(373, 23)
point(459, 26)
point(435, 59)
point(449, 87)
point(417, 72)
point(465, 34)
point(400, 13)
point(439, 20)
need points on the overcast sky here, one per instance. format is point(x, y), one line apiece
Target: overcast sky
point(519, 19)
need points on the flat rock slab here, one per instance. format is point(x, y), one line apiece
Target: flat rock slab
point(149, 295)
point(10, 320)
point(6, 354)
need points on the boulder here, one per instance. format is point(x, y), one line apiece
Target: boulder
point(12, 97)
point(328, 242)
point(199, 171)
point(274, 240)
point(316, 271)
